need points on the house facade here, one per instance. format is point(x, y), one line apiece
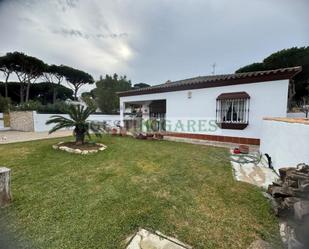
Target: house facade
point(225, 108)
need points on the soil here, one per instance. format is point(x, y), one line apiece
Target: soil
point(85, 146)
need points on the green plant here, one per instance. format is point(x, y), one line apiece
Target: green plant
point(106, 90)
point(78, 119)
point(31, 105)
point(90, 102)
point(56, 108)
point(133, 184)
point(4, 104)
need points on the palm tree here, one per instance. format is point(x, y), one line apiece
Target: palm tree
point(78, 119)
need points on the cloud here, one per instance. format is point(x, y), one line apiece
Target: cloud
point(75, 33)
point(66, 4)
point(155, 40)
point(82, 34)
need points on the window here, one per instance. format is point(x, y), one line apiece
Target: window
point(233, 110)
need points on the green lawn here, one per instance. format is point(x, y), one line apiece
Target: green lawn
point(63, 200)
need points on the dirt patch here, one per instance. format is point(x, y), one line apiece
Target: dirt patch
point(85, 146)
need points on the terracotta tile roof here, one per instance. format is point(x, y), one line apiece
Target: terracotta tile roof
point(217, 80)
point(233, 95)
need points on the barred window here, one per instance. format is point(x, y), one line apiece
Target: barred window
point(232, 110)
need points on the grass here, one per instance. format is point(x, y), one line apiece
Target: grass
point(64, 200)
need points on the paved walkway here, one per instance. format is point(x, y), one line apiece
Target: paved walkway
point(7, 137)
point(253, 170)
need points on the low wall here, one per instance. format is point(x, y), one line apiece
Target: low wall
point(296, 115)
point(286, 141)
point(1, 121)
point(40, 120)
point(33, 121)
point(22, 121)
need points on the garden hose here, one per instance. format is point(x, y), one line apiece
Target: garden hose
point(252, 158)
point(246, 158)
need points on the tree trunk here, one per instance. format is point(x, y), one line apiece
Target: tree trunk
point(28, 91)
point(54, 94)
point(291, 93)
point(21, 93)
point(5, 192)
point(80, 138)
point(6, 93)
point(75, 94)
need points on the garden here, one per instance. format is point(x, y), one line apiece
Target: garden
point(65, 200)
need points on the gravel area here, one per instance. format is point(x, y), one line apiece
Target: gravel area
point(7, 137)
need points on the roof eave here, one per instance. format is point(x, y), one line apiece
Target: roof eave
point(289, 74)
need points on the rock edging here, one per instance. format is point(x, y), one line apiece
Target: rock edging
point(79, 151)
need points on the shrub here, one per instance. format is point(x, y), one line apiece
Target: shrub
point(90, 102)
point(78, 116)
point(4, 104)
point(31, 105)
point(57, 108)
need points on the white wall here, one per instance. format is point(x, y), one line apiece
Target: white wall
point(268, 99)
point(296, 115)
point(40, 120)
point(1, 121)
point(286, 143)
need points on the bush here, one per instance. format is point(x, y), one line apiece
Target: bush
point(31, 105)
point(90, 102)
point(58, 107)
point(4, 104)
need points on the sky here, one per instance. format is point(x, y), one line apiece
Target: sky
point(153, 41)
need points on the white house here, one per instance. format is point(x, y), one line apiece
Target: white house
point(225, 108)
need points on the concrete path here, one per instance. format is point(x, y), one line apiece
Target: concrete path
point(254, 172)
point(7, 137)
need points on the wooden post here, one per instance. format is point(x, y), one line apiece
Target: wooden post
point(5, 192)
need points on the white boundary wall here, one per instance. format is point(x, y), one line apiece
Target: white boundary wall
point(296, 115)
point(40, 120)
point(286, 143)
point(1, 121)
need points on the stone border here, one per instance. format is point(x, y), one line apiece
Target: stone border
point(78, 151)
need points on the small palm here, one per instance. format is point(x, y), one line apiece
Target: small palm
point(78, 116)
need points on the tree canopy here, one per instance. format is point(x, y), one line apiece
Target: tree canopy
point(42, 92)
point(105, 92)
point(105, 97)
point(140, 85)
point(54, 74)
point(76, 78)
point(29, 69)
point(287, 58)
point(7, 68)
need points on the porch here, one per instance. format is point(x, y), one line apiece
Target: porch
point(144, 116)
